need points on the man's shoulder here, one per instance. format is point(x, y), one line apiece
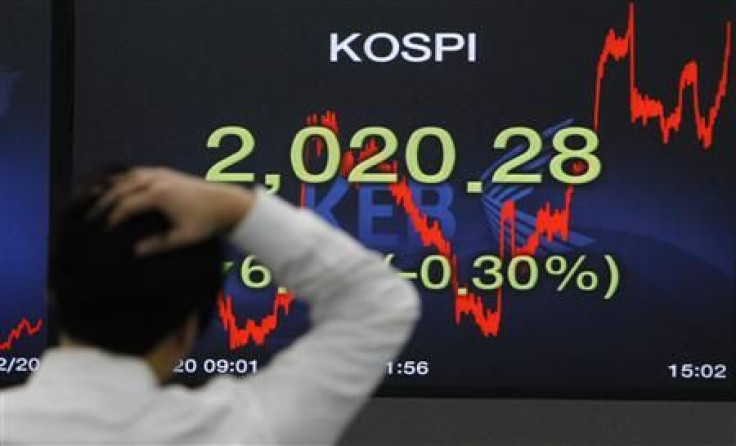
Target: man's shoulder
point(219, 411)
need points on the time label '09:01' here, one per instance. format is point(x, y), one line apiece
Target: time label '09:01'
point(238, 366)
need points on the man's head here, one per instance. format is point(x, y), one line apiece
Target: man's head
point(111, 298)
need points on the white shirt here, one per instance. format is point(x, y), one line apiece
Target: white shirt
point(361, 313)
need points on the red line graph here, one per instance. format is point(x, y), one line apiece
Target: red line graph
point(258, 331)
point(252, 331)
point(549, 223)
point(431, 234)
point(24, 327)
point(644, 107)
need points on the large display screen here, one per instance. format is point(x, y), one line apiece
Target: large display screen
point(25, 57)
point(555, 177)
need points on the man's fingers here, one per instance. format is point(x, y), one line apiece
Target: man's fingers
point(129, 183)
point(160, 243)
point(151, 245)
point(129, 205)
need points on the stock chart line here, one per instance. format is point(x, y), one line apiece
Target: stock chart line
point(430, 232)
point(252, 331)
point(258, 331)
point(549, 223)
point(431, 235)
point(24, 327)
point(644, 107)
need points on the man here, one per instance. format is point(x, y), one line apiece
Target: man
point(135, 277)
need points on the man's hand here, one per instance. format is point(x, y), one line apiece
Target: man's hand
point(197, 209)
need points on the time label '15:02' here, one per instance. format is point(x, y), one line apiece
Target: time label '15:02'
point(698, 371)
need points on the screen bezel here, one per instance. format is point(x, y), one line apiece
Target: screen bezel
point(62, 125)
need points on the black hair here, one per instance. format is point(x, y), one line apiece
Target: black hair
point(107, 296)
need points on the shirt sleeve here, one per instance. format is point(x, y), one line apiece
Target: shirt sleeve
point(362, 314)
